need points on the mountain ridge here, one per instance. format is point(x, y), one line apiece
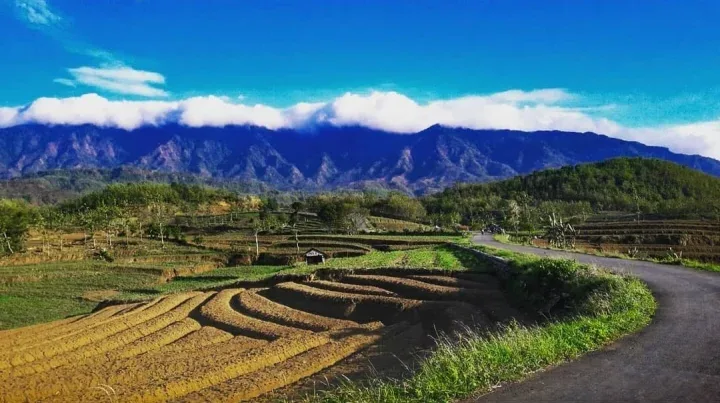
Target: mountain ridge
point(326, 157)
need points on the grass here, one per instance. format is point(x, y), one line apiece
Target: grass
point(442, 257)
point(428, 257)
point(700, 265)
point(602, 308)
point(46, 292)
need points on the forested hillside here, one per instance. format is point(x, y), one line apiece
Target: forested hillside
point(50, 187)
point(623, 184)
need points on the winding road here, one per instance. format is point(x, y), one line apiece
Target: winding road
point(675, 359)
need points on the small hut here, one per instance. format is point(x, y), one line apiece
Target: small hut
point(314, 256)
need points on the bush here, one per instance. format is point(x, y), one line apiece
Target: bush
point(548, 285)
point(558, 287)
point(103, 254)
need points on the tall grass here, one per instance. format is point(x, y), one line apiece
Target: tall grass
point(590, 307)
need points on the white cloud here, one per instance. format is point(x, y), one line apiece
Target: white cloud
point(94, 109)
point(697, 138)
point(391, 111)
point(548, 96)
point(125, 74)
point(120, 80)
point(65, 81)
point(8, 116)
point(36, 12)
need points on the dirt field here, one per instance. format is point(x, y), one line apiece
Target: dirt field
point(659, 239)
point(241, 344)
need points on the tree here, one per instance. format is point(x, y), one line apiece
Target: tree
point(161, 213)
point(398, 205)
point(559, 234)
point(15, 219)
point(356, 220)
point(124, 221)
point(512, 214)
point(106, 217)
point(85, 220)
point(270, 204)
point(56, 221)
point(296, 206)
point(257, 225)
point(40, 221)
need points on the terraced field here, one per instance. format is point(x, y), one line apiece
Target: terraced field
point(237, 344)
point(284, 249)
point(693, 239)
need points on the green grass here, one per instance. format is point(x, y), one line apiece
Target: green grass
point(700, 265)
point(46, 292)
point(605, 307)
point(36, 293)
point(222, 277)
point(442, 257)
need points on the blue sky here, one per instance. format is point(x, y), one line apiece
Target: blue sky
point(640, 64)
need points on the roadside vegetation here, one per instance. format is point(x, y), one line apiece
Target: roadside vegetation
point(587, 308)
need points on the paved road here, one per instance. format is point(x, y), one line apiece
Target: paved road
point(674, 359)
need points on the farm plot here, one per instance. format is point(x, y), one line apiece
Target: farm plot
point(237, 344)
point(690, 239)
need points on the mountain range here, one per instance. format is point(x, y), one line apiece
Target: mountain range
point(319, 158)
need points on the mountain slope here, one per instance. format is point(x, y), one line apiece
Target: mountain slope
point(50, 187)
point(624, 184)
point(324, 158)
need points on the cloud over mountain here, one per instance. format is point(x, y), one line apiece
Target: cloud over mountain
point(544, 109)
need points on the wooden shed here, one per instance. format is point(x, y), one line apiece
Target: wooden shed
point(314, 256)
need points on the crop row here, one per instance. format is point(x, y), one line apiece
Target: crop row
point(203, 337)
point(410, 288)
point(28, 336)
point(647, 223)
point(115, 341)
point(285, 372)
point(140, 378)
point(220, 313)
point(352, 288)
point(322, 244)
point(356, 307)
point(655, 247)
point(232, 345)
point(217, 368)
point(154, 341)
point(260, 307)
point(52, 347)
point(455, 282)
point(378, 240)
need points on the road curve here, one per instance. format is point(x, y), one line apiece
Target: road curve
point(675, 359)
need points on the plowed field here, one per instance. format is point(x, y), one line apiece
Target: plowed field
point(235, 344)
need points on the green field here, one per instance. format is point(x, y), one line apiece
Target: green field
point(44, 292)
